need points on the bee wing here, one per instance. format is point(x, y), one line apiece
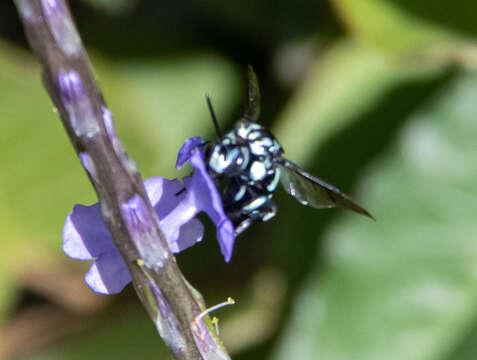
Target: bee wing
point(253, 103)
point(312, 191)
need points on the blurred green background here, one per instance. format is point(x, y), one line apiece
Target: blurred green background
point(378, 97)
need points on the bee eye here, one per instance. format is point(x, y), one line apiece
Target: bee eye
point(232, 154)
point(219, 159)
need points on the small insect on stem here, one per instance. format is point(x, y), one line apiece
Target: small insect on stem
point(214, 118)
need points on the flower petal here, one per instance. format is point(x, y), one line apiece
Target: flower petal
point(181, 232)
point(207, 199)
point(84, 234)
point(109, 274)
point(154, 188)
point(187, 149)
point(164, 194)
point(226, 238)
point(189, 234)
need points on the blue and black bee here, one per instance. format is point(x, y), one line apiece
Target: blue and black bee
point(247, 164)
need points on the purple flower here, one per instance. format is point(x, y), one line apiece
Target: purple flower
point(85, 237)
point(202, 195)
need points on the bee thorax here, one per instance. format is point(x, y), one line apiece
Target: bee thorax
point(245, 156)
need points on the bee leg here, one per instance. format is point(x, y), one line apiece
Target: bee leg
point(265, 212)
point(242, 226)
point(241, 220)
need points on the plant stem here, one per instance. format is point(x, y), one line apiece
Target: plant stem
point(68, 78)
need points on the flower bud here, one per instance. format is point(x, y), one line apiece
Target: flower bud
point(61, 26)
point(77, 104)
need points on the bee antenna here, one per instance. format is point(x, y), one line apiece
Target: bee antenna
point(214, 118)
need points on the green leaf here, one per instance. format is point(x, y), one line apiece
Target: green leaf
point(344, 83)
point(131, 335)
point(392, 27)
point(404, 287)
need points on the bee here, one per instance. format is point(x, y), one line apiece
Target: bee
point(247, 164)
